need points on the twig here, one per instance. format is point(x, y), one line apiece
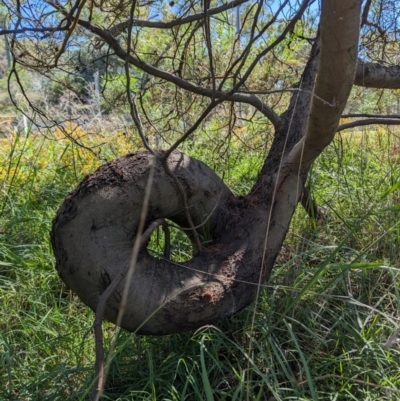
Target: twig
point(369, 121)
point(207, 34)
point(132, 104)
point(167, 237)
point(78, 6)
point(116, 29)
point(126, 272)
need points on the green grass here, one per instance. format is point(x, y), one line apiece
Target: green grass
point(321, 326)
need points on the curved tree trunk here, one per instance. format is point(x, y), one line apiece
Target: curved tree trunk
point(94, 230)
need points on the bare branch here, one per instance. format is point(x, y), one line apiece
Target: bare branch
point(207, 34)
point(101, 307)
point(370, 121)
point(132, 104)
point(368, 115)
point(167, 76)
point(117, 29)
point(374, 75)
point(244, 56)
point(125, 273)
point(364, 18)
point(79, 7)
point(33, 30)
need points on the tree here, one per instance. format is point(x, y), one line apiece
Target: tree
point(95, 227)
point(344, 43)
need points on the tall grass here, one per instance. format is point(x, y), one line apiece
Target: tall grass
point(325, 325)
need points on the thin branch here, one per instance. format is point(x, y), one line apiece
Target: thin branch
point(101, 307)
point(184, 201)
point(79, 7)
point(186, 46)
point(117, 29)
point(289, 27)
point(243, 57)
point(206, 112)
point(368, 115)
point(125, 273)
point(370, 121)
point(207, 34)
point(293, 90)
point(132, 104)
point(365, 12)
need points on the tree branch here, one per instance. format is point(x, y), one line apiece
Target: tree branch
point(118, 28)
point(370, 121)
point(39, 30)
point(125, 273)
point(368, 115)
point(101, 307)
point(364, 17)
point(289, 27)
point(374, 75)
point(167, 76)
point(340, 28)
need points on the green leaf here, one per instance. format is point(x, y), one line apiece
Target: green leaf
point(392, 189)
point(359, 265)
point(204, 374)
point(395, 208)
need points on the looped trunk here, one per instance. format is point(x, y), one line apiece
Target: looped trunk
point(94, 231)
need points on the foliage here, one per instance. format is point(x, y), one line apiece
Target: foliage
point(319, 331)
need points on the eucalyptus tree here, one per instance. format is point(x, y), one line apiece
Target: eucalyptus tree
point(292, 62)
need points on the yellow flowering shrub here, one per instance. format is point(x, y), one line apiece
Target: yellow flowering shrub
point(63, 155)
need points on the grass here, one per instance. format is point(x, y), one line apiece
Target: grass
point(323, 326)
